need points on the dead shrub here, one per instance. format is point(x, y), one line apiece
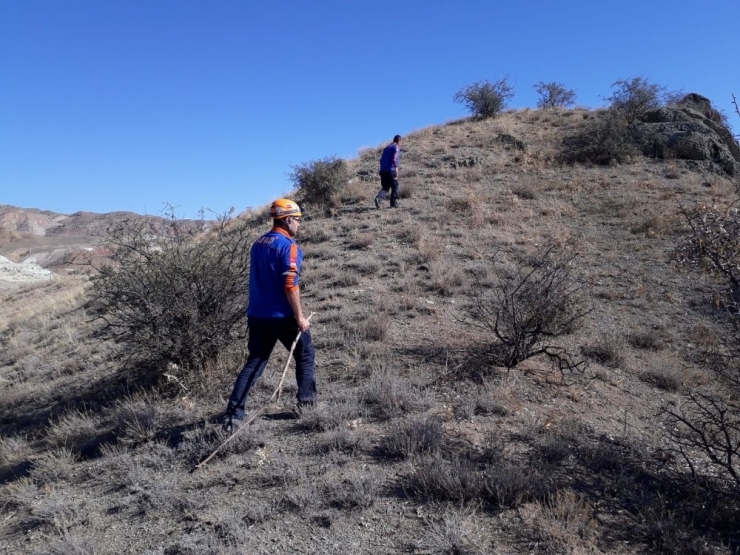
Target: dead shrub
point(361, 241)
point(552, 449)
point(455, 533)
point(407, 187)
point(607, 139)
point(525, 192)
point(359, 491)
point(417, 436)
point(76, 429)
point(388, 396)
point(507, 485)
point(435, 479)
point(170, 292)
point(667, 378)
point(564, 523)
point(54, 465)
point(607, 351)
point(330, 415)
point(343, 441)
point(708, 425)
point(646, 341)
point(528, 308)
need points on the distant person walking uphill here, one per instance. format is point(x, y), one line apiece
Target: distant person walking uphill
point(389, 173)
point(275, 312)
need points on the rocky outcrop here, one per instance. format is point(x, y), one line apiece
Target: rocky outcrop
point(689, 130)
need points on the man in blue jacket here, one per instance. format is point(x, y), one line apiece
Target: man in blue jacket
point(389, 173)
point(275, 312)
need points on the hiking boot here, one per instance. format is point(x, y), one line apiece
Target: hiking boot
point(231, 423)
point(377, 203)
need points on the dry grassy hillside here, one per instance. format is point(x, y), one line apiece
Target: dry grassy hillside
point(418, 444)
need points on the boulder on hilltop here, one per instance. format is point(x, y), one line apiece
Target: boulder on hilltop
point(691, 129)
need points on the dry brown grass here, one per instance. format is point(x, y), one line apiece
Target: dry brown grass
point(414, 444)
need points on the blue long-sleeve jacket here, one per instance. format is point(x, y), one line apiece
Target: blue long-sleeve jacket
point(275, 265)
point(390, 157)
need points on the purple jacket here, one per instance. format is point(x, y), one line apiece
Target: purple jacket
point(389, 159)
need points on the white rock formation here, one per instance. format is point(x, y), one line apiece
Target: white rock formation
point(22, 273)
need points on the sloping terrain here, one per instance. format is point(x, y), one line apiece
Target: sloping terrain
point(419, 444)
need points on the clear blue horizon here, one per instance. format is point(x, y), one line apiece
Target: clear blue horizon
point(108, 106)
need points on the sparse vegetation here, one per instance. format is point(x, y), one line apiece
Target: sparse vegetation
point(554, 95)
point(319, 180)
point(423, 439)
point(484, 99)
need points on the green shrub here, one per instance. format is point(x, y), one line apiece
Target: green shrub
point(484, 99)
point(169, 292)
point(554, 95)
point(319, 180)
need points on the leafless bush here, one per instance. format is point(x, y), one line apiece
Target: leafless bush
point(607, 350)
point(712, 245)
point(552, 449)
point(708, 424)
point(647, 341)
point(455, 533)
point(201, 441)
point(607, 139)
point(75, 430)
point(563, 523)
point(668, 378)
point(171, 293)
point(633, 97)
point(407, 187)
point(526, 310)
point(300, 497)
point(418, 436)
point(554, 95)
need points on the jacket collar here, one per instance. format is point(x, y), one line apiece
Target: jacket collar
point(281, 231)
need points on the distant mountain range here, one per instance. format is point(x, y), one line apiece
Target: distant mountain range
point(48, 239)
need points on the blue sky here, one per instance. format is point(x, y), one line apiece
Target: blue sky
point(124, 105)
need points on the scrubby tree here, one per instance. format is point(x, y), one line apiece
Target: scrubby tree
point(172, 292)
point(484, 99)
point(633, 97)
point(319, 180)
point(525, 311)
point(554, 95)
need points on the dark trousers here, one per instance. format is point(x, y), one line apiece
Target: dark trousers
point(389, 182)
point(263, 334)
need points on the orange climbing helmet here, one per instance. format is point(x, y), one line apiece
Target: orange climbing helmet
point(283, 207)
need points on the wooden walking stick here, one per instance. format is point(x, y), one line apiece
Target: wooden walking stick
point(259, 411)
